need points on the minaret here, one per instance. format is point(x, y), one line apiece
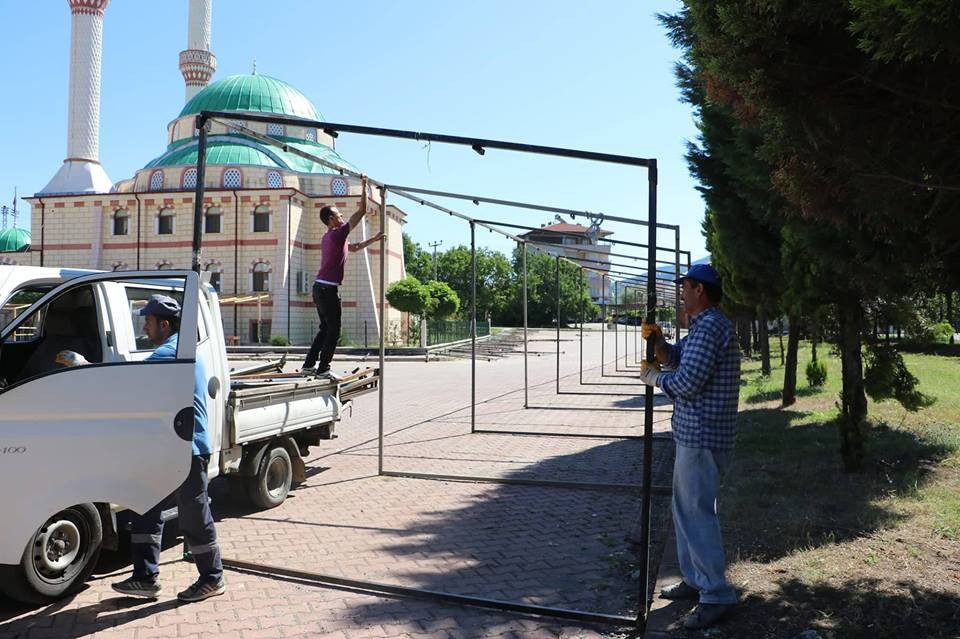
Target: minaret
point(81, 171)
point(197, 64)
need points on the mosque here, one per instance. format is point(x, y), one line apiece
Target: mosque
point(261, 225)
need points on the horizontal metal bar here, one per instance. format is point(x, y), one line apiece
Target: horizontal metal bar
point(478, 144)
point(534, 433)
point(668, 249)
point(380, 589)
point(476, 199)
point(547, 483)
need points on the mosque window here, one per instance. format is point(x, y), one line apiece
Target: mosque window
point(338, 186)
point(261, 219)
point(121, 222)
point(165, 222)
point(234, 126)
point(274, 129)
point(232, 179)
point(310, 134)
point(213, 220)
point(164, 266)
point(120, 265)
point(216, 275)
point(156, 181)
point(189, 180)
point(261, 277)
point(274, 180)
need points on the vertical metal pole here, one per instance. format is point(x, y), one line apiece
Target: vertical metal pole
point(676, 265)
point(473, 326)
point(526, 385)
point(383, 320)
point(645, 595)
point(616, 321)
point(558, 324)
point(580, 292)
point(636, 325)
point(202, 126)
point(603, 320)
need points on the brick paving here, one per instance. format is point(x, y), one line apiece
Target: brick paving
point(548, 546)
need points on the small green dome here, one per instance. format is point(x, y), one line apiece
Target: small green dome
point(14, 240)
point(252, 94)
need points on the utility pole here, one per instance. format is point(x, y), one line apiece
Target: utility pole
point(434, 246)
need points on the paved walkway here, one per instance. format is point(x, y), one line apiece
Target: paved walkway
point(556, 547)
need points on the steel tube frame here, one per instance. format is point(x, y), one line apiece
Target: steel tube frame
point(479, 145)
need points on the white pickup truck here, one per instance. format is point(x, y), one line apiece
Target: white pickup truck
point(80, 444)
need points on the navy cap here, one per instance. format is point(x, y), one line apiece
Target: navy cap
point(161, 306)
point(701, 273)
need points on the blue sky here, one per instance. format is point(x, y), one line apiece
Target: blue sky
point(596, 76)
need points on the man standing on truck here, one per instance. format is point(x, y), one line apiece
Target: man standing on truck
point(326, 288)
point(162, 325)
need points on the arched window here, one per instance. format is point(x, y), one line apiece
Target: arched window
point(261, 219)
point(120, 265)
point(165, 220)
point(189, 180)
point(156, 181)
point(216, 275)
point(274, 180)
point(338, 186)
point(274, 129)
point(164, 265)
point(234, 126)
point(261, 277)
point(121, 222)
point(310, 135)
point(213, 220)
point(232, 179)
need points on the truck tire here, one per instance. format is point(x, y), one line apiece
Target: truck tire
point(271, 483)
point(58, 559)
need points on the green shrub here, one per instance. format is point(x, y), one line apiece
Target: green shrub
point(886, 377)
point(816, 373)
point(279, 340)
point(941, 332)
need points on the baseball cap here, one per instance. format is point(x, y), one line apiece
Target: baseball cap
point(161, 306)
point(701, 273)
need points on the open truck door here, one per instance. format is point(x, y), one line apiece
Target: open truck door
point(75, 439)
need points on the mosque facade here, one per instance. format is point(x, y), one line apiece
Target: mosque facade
point(261, 226)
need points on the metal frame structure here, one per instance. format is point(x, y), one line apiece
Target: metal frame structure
point(480, 146)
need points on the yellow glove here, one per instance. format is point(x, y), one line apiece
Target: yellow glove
point(645, 364)
point(651, 330)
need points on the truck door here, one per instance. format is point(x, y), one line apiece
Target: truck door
point(115, 432)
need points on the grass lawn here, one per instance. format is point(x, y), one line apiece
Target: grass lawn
point(870, 554)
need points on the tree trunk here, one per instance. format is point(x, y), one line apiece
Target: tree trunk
point(780, 337)
point(755, 331)
point(745, 343)
point(853, 398)
point(790, 369)
point(764, 344)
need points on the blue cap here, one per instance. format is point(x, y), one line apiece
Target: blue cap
point(701, 273)
point(161, 306)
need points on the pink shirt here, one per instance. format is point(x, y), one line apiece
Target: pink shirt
point(333, 254)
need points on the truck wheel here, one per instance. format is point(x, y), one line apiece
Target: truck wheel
point(270, 486)
point(58, 559)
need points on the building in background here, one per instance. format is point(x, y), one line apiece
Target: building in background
point(572, 239)
point(261, 223)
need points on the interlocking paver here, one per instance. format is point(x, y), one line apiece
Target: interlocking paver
point(533, 544)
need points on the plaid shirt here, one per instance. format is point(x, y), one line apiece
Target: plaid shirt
point(705, 383)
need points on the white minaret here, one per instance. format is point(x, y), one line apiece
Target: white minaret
point(81, 171)
point(197, 64)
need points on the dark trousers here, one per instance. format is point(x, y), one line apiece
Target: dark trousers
point(327, 300)
point(196, 524)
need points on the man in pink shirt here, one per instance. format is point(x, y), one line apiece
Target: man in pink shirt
point(326, 295)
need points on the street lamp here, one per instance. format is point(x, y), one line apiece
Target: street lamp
point(434, 246)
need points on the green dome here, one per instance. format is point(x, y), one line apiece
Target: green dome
point(234, 149)
point(252, 94)
point(14, 240)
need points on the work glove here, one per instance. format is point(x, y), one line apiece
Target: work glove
point(652, 330)
point(649, 372)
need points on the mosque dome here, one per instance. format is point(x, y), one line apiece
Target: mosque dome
point(252, 94)
point(14, 240)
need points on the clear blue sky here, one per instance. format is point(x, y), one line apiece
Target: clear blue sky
point(588, 75)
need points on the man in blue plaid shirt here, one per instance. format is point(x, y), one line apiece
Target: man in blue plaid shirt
point(702, 376)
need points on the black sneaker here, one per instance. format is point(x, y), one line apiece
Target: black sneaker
point(138, 588)
point(706, 615)
point(679, 590)
point(202, 589)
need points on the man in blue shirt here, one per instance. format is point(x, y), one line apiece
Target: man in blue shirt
point(162, 326)
point(702, 377)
